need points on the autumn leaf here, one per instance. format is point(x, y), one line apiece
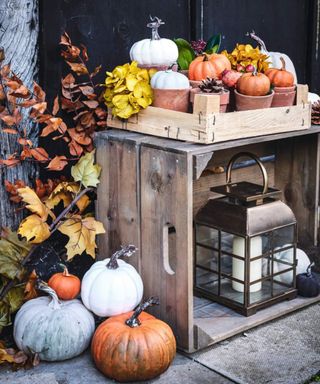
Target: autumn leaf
point(34, 229)
point(57, 163)
point(84, 52)
point(65, 39)
point(10, 162)
point(86, 171)
point(56, 106)
point(78, 68)
point(21, 92)
point(34, 204)
point(96, 71)
point(10, 131)
point(82, 234)
point(39, 92)
point(65, 192)
point(38, 108)
point(75, 149)
point(30, 291)
point(39, 154)
point(8, 119)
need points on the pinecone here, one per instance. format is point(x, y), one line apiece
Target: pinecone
point(315, 113)
point(198, 46)
point(212, 86)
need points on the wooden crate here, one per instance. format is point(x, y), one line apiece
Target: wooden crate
point(206, 125)
point(150, 190)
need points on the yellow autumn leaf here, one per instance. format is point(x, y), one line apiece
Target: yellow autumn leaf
point(131, 81)
point(51, 202)
point(83, 202)
point(34, 204)
point(34, 229)
point(86, 171)
point(82, 235)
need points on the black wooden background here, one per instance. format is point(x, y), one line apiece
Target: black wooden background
point(109, 27)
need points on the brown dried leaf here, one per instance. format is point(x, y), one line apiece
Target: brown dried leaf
point(9, 162)
point(68, 81)
point(96, 71)
point(65, 39)
point(57, 163)
point(8, 119)
point(28, 103)
point(87, 90)
point(92, 104)
point(39, 92)
point(56, 106)
point(84, 52)
point(13, 85)
point(78, 68)
point(75, 149)
point(40, 107)
point(47, 130)
point(21, 92)
point(71, 53)
point(30, 291)
point(40, 154)
point(24, 141)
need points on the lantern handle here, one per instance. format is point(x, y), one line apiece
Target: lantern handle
point(256, 159)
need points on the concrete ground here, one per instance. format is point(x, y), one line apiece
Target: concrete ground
point(285, 351)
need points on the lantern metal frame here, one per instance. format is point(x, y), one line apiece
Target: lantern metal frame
point(239, 213)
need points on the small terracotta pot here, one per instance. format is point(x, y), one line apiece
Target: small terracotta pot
point(245, 102)
point(224, 97)
point(175, 99)
point(159, 67)
point(283, 96)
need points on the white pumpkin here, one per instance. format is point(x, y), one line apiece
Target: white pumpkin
point(57, 330)
point(275, 61)
point(169, 80)
point(111, 286)
point(154, 51)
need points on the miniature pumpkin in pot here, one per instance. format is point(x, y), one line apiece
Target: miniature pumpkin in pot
point(307, 283)
point(280, 77)
point(111, 286)
point(56, 330)
point(253, 84)
point(134, 346)
point(66, 285)
point(208, 66)
point(155, 51)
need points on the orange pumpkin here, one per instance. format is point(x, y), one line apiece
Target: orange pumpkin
point(133, 346)
point(253, 84)
point(280, 77)
point(208, 66)
point(67, 286)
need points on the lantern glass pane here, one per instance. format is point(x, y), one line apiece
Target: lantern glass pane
point(207, 258)
point(208, 281)
point(228, 291)
point(283, 237)
point(207, 236)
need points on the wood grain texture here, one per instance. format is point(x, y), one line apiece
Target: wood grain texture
point(118, 201)
point(166, 235)
point(19, 21)
point(297, 175)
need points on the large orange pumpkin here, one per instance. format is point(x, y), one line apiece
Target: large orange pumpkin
point(208, 66)
point(67, 286)
point(134, 346)
point(253, 84)
point(280, 77)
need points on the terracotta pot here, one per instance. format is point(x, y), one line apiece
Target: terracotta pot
point(283, 96)
point(224, 97)
point(159, 67)
point(195, 83)
point(245, 102)
point(175, 99)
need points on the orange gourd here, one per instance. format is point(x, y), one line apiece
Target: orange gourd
point(253, 84)
point(208, 66)
point(133, 346)
point(67, 286)
point(280, 77)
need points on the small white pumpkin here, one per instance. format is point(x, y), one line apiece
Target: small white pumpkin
point(111, 286)
point(57, 330)
point(169, 80)
point(275, 61)
point(154, 51)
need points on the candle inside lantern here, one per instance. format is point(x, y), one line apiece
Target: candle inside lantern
point(238, 265)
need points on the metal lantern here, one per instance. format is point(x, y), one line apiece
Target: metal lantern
point(245, 245)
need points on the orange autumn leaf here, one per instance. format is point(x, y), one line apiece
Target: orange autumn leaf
point(56, 106)
point(57, 163)
point(39, 92)
point(39, 154)
point(78, 68)
point(30, 291)
point(33, 203)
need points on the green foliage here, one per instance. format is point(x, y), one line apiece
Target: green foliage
point(213, 44)
point(186, 53)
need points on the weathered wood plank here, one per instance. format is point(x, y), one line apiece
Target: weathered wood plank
point(118, 202)
point(297, 174)
point(166, 237)
point(19, 21)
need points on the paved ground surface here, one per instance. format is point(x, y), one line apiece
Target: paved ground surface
point(286, 351)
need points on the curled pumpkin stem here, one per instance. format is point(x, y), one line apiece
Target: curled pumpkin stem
point(134, 321)
point(127, 250)
point(309, 268)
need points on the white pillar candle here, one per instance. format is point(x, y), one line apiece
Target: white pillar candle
point(238, 265)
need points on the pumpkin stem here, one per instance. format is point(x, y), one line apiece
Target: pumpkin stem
point(283, 68)
point(55, 302)
point(154, 25)
point(257, 39)
point(134, 321)
point(127, 250)
point(65, 269)
point(309, 269)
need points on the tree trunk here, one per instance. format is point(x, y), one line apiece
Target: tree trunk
point(19, 28)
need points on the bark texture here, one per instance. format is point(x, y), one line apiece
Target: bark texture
point(19, 28)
